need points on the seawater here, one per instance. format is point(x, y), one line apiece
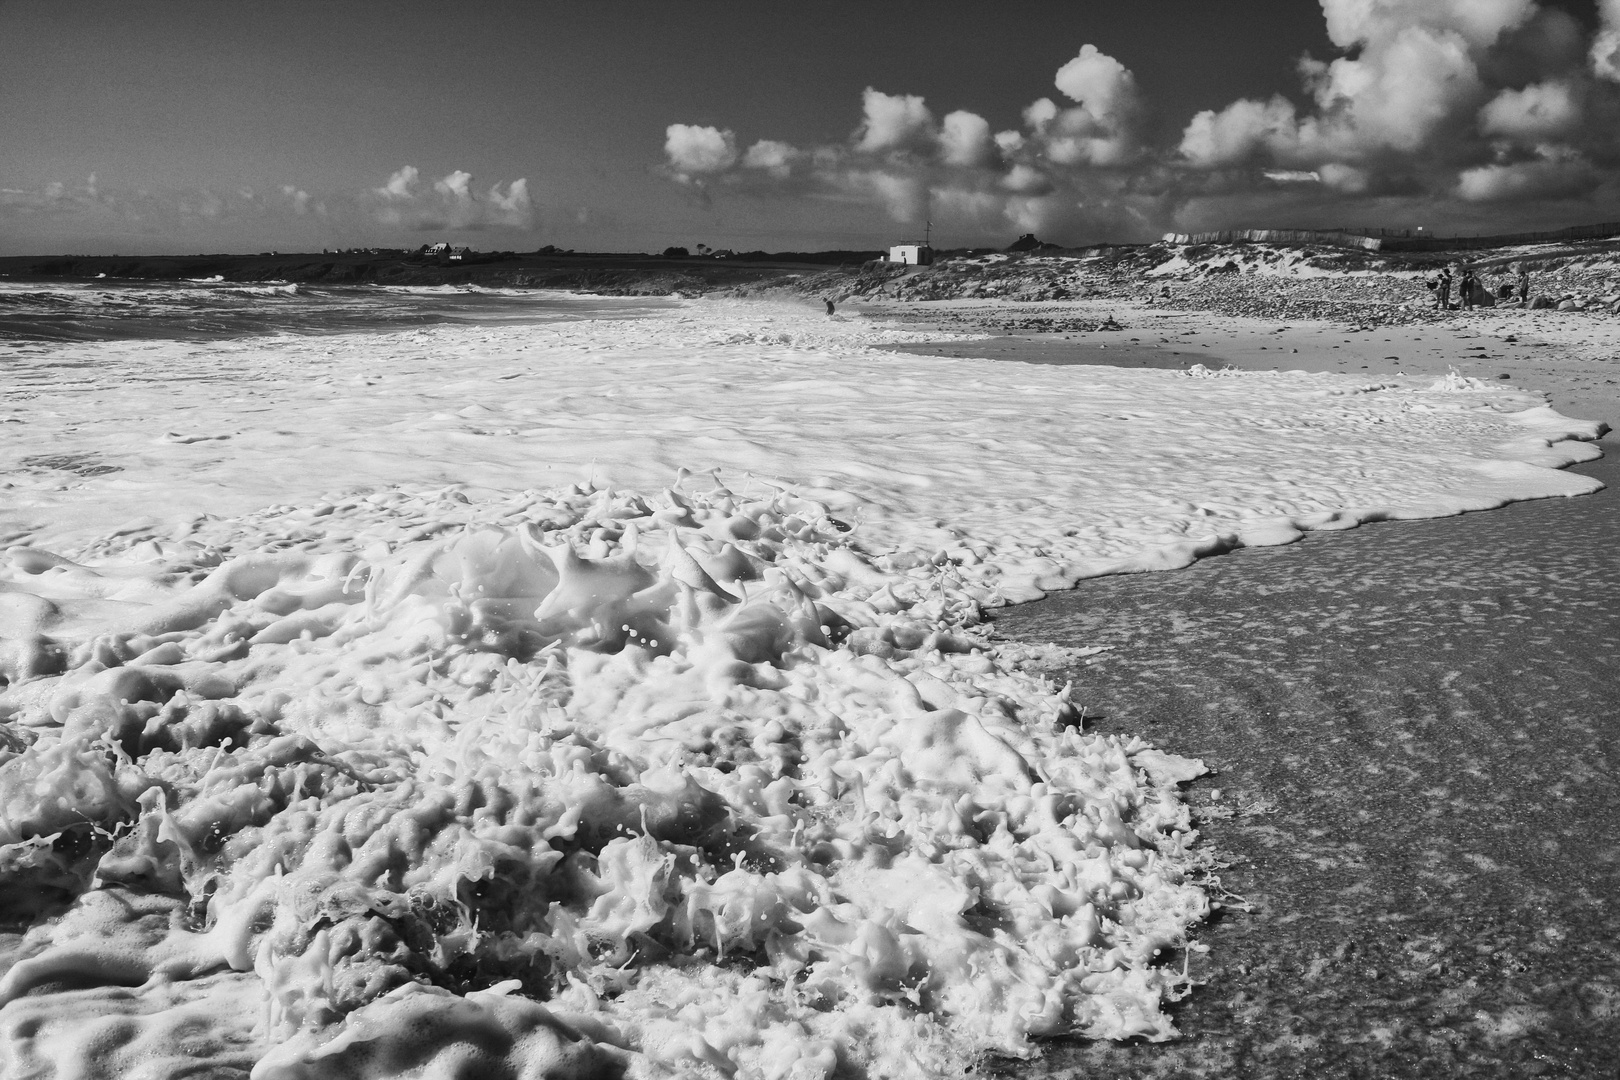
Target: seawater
point(207, 310)
point(611, 692)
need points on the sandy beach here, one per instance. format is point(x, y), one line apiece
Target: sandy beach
point(1573, 358)
point(615, 656)
point(1411, 727)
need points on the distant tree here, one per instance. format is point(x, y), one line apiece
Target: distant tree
point(676, 252)
point(703, 249)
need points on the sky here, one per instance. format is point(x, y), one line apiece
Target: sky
point(632, 125)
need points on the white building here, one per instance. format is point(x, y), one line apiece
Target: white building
point(912, 254)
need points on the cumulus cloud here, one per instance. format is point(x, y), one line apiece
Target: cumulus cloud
point(450, 203)
point(1423, 104)
point(964, 138)
point(402, 185)
point(695, 151)
point(1535, 113)
point(773, 157)
point(514, 207)
point(454, 186)
point(1479, 100)
point(1393, 95)
point(1341, 177)
point(1239, 131)
point(1104, 87)
point(1026, 180)
point(1478, 22)
point(905, 197)
point(891, 121)
point(56, 199)
point(1548, 178)
point(1605, 51)
point(1414, 69)
point(298, 198)
point(1100, 128)
point(1064, 159)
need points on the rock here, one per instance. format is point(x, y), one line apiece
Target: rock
point(1541, 303)
point(1567, 305)
point(1027, 242)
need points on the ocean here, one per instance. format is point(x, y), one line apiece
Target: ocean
point(607, 687)
point(214, 309)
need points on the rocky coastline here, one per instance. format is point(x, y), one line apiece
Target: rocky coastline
point(1269, 281)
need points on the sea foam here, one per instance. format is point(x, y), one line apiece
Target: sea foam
point(680, 773)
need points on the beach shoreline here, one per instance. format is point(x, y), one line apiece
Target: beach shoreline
point(1354, 703)
point(1572, 358)
point(1409, 729)
point(447, 500)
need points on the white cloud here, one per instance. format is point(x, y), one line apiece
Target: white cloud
point(1537, 112)
point(902, 159)
point(1230, 136)
point(892, 121)
point(1101, 85)
point(450, 204)
point(1293, 176)
point(1478, 22)
point(1605, 51)
point(514, 208)
point(56, 199)
point(981, 208)
point(401, 185)
point(1393, 95)
point(964, 138)
point(773, 157)
point(904, 197)
point(1342, 177)
point(454, 186)
point(1100, 129)
point(1411, 80)
point(298, 198)
point(1039, 113)
point(1026, 181)
point(1550, 178)
point(697, 151)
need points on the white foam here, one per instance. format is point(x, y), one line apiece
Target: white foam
point(535, 714)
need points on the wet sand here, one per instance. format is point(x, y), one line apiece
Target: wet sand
point(1571, 357)
point(1414, 732)
point(1415, 736)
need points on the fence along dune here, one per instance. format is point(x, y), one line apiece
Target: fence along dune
point(1390, 240)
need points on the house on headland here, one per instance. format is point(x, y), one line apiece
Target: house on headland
point(912, 254)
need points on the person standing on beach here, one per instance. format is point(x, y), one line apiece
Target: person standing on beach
point(1443, 293)
point(1466, 287)
point(1523, 278)
point(829, 306)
